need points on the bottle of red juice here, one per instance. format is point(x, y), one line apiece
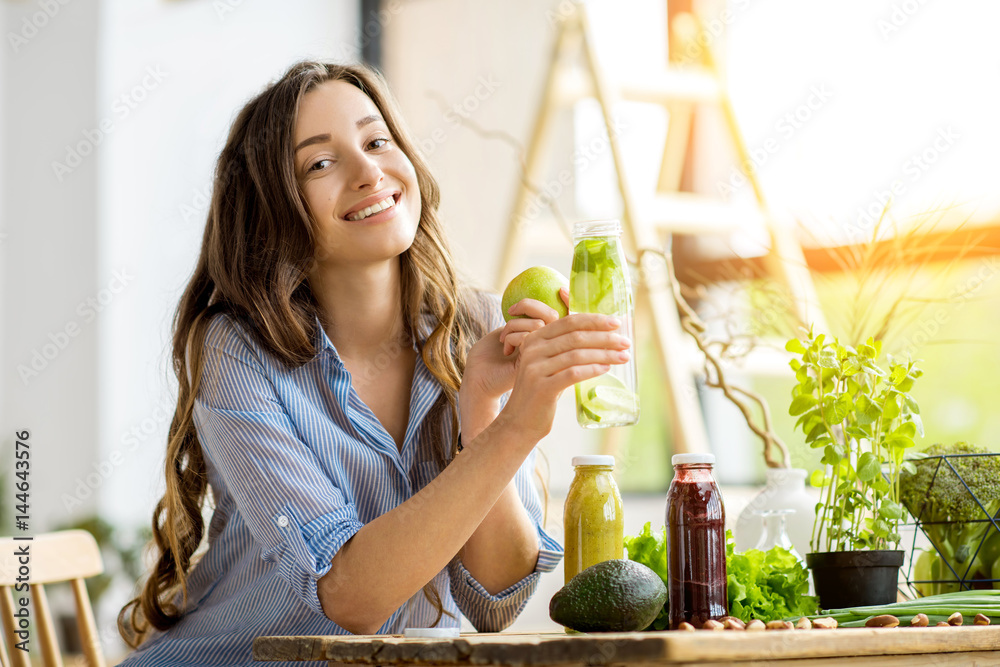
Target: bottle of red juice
point(696, 542)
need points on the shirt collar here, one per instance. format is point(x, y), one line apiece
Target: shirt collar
point(322, 342)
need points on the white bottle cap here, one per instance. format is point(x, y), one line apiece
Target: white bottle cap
point(685, 459)
point(594, 460)
point(431, 633)
point(608, 227)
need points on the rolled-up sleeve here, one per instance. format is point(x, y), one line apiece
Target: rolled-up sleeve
point(293, 509)
point(492, 613)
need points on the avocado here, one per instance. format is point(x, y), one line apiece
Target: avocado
point(611, 596)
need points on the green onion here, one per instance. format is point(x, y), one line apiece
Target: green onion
point(937, 608)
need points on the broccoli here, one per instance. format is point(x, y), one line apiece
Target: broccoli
point(950, 515)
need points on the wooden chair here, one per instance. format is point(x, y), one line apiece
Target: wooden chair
point(69, 555)
point(4, 660)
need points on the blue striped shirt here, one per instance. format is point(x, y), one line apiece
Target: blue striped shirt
point(297, 464)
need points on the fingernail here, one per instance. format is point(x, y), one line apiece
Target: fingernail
point(614, 322)
point(624, 355)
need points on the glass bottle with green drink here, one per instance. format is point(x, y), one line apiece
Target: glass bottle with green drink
point(599, 283)
point(593, 516)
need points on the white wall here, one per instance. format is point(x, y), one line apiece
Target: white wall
point(49, 253)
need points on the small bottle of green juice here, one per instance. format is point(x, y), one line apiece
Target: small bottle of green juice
point(593, 518)
point(599, 283)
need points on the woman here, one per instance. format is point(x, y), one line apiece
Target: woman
point(343, 398)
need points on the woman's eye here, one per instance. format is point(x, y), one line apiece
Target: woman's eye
point(378, 142)
point(318, 165)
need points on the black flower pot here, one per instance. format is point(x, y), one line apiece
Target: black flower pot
point(855, 578)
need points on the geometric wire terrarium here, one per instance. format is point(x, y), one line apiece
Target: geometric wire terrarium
point(954, 499)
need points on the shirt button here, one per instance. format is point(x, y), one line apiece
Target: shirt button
point(282, 520)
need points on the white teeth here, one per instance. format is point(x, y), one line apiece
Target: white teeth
point(388, 202)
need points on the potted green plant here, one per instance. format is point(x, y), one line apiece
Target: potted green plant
point(864, 419)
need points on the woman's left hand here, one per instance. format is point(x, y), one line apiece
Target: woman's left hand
point(490, 367)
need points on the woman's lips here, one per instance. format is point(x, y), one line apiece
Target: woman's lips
point(372, 205)
point(378, 216)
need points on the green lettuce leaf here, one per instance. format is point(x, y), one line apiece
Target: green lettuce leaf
point(768, 586)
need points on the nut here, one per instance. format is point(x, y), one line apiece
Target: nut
point(755, 625)
point(981, 619)
point(882, 621)
point(804, 624)
point(825, 623)
point(733, 623)
point(712, 624)
point(779, 625)
point(942, 623)
point(919, 621)
point(955, 619)
point(684, 625)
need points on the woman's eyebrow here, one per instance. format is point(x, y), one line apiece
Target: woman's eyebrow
point(367, 120)
point(373, 118)
point(319, 138)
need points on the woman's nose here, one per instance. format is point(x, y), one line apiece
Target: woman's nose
point(366, 172)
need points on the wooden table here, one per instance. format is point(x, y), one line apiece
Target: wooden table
point(891, 647)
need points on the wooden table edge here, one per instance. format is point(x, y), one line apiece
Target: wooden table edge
point(648, 648)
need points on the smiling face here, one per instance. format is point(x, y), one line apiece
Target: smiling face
point(360, 187)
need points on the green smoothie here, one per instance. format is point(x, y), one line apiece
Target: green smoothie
point(593, 518)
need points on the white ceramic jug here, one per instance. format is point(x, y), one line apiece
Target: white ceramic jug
point(785, 490)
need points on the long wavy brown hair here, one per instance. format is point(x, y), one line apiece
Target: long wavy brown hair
point(256, 256)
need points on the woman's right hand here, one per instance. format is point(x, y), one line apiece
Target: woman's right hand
point(556, 356)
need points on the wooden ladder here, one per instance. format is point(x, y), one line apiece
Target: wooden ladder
point(649, 221)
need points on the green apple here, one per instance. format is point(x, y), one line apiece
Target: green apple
point(540, 283)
